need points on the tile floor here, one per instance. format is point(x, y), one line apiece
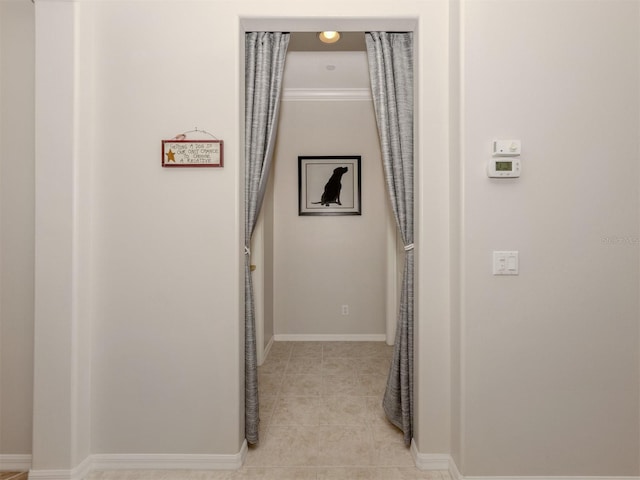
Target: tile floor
point(321, 419)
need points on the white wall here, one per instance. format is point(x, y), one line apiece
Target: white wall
point(16, 225)
point(455, 227)
point(167, 246)
point(324, 262)
point(551, 356)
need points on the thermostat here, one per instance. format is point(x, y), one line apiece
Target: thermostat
point(503, 167)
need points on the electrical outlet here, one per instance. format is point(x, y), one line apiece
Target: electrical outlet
point(345, 309)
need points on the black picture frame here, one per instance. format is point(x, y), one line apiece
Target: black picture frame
point(325, 189)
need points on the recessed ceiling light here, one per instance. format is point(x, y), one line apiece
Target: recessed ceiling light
point(329, 37)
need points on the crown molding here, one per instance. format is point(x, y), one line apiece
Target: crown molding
point(321, 337)
point(326, 94)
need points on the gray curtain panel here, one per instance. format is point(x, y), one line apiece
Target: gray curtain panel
point(264, 66)
point(390, 58)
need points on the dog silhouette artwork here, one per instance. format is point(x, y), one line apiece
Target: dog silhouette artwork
point(333, 187)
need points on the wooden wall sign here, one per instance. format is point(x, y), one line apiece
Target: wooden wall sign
point(192, 153)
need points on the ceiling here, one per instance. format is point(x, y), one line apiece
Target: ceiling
point(311, 64)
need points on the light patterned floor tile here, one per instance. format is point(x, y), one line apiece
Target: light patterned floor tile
point(389, 447)
point(269, 383)
point(307, 349)
point(338, 366)
point(304, 365)
point(344, 446)
point(348, 473)
point(273, 365)
point(278, 473)
point(339, 350)
point(215, 475)
point(372, 365)
point(375, 413)
point(292, 411)
point(343, 410)
point(372, 385)
point(302, 385)
point(281, 350)
point(345, 384)
point(380, 349)
point(356, 349)
point(267, 402)
point(409, 473)
point(285, 446)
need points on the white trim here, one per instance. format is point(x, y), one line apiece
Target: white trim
point(550, 478)
point(138, 462)
point(267, 349)
point(443, 461)
point(78, 473)
point(321, 337)
point(325, 94)
point(170, 461)
point(20, 463)
point(430, 461)
point(257, 258)
point(249, 23)
point(454, 473)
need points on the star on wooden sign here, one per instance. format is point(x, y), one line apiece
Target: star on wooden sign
point(170, 156)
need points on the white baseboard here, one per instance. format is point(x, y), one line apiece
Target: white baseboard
point(78, 473)
point(170, 461)
point(18, 463)
point(142, 462)
point(267, 349)
point(437, 461)
point(322, 337)
point(454, 473)
point(548, 478)
point(430, 461)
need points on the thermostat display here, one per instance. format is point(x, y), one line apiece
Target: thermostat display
point(503, 168)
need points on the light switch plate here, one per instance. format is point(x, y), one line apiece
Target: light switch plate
point(505, 262)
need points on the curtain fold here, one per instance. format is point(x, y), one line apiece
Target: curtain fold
point(390, 57)
point(264, 66)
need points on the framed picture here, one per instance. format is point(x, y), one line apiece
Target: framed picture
point(192, 153)
point(329, 185)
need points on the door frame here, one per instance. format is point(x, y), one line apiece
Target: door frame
point(313, 24)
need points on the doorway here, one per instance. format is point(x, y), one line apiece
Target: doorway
point(325, 278)
point(399, 166)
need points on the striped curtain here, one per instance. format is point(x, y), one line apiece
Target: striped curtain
point(264, 66)
point(390, 57)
